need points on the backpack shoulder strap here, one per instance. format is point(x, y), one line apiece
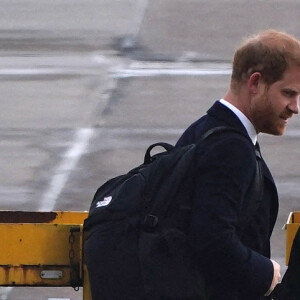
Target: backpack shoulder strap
point(218, 130)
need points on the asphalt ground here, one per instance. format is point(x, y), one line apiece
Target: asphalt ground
point(86, 86)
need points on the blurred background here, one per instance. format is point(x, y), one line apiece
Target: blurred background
point(87, 85)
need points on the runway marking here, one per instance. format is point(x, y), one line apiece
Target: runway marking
point(127, 73)
point(176, 68)
point(64, 169)
point(135, 69)
point(93, 65)
point(4, 292)
point(122, 73)
point(11, 72)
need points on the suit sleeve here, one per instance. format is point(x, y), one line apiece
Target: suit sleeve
point(224, 172)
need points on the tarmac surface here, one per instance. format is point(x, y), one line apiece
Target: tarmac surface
point(86, 86)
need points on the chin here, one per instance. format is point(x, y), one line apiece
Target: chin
point(275, 131)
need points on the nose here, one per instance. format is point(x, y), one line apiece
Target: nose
point(293, 106)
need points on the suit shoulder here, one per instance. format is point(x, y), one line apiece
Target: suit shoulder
point(229, 146)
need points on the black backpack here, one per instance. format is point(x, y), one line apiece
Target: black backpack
point(142, 219)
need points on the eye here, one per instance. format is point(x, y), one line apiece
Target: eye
point(289, 93)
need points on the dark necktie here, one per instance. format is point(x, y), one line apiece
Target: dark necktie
point(257, 150)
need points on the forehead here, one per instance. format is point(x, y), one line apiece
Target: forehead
point(290, 79)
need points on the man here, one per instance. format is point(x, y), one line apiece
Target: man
point(230, 234)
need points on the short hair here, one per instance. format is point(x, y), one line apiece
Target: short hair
point(269, 52)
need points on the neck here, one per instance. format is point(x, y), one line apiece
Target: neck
point(240, 101)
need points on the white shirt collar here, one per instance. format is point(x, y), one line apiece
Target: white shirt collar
point(245, 121)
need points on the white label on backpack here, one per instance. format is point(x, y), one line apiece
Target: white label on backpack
point(104, 202)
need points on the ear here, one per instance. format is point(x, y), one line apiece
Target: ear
point(254, 82)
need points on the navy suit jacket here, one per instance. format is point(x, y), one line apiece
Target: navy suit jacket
point(229, 233)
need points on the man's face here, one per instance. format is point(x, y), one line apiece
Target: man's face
point(277, 103)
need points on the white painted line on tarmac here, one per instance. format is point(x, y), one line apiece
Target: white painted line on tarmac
point(177, 68)
point(4, 292)
point(64, 169)
point(123, 73)
point(126, 73)
point(30, 71)
point(135, 69)
point(47, 71)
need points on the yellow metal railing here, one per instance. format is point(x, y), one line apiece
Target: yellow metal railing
point(46, 248)
point(292, 225)
point(43, 249)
